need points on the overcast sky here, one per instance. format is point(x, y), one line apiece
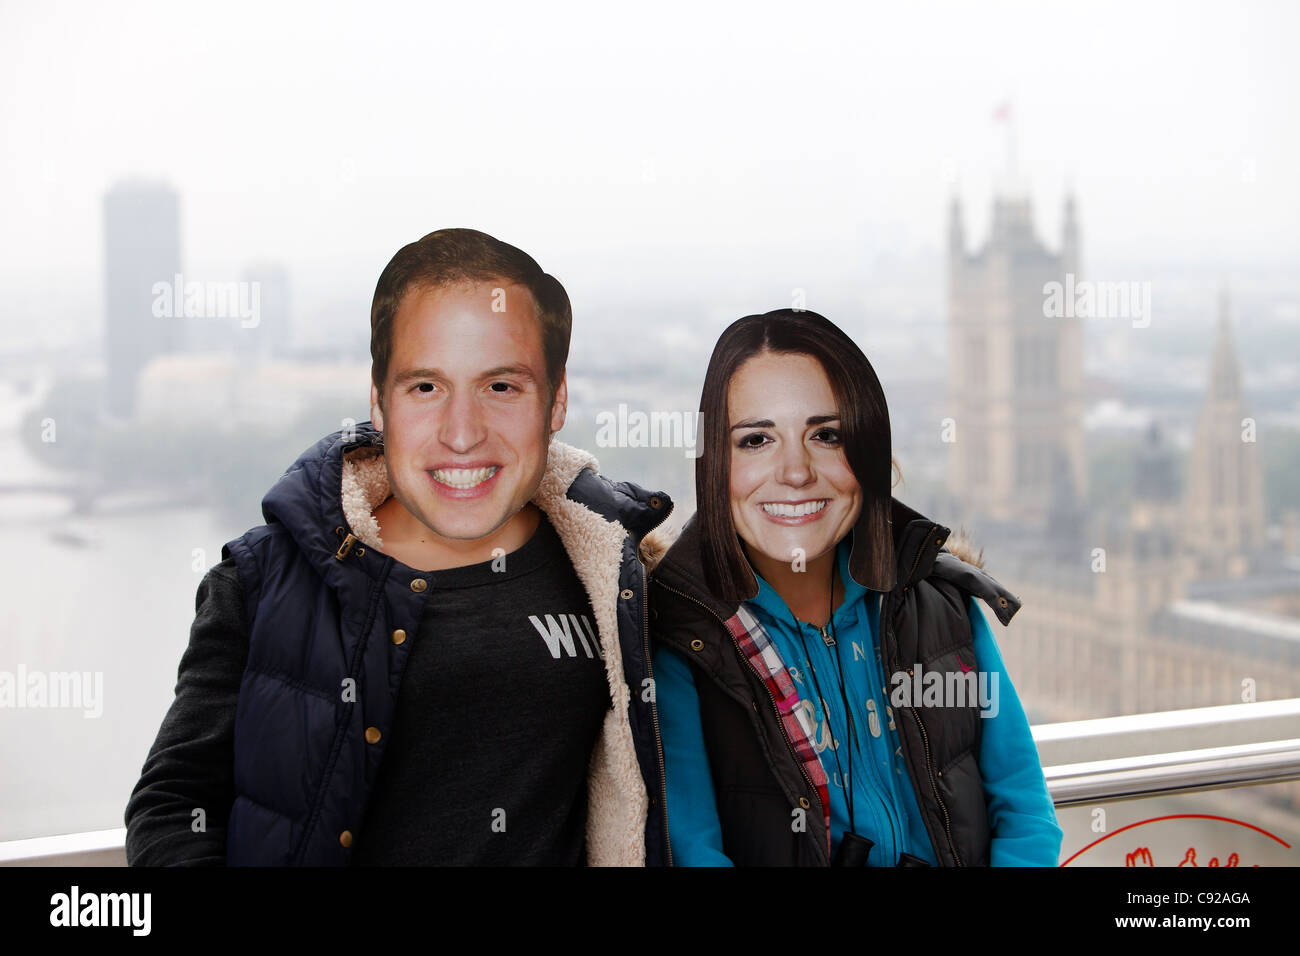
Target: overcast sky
point(663, 141)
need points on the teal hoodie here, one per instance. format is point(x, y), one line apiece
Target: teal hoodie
point(1021, 817)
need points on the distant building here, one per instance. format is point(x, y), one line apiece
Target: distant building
point(142, 246)
point(273, 335)
point(1161, 599)
point(1015, 376)
point(1225, 503)
point(222, 392)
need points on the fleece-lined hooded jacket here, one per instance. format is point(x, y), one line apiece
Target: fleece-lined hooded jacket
point(322, 603)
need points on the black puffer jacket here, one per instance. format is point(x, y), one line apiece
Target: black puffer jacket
point(758, 778)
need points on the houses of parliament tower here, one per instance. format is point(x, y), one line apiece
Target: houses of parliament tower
point(1162, 597)
point(1015, 375)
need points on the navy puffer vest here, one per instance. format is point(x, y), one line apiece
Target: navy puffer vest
point(319, 692)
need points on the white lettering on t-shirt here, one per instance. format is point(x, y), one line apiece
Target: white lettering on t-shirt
point(559, 634)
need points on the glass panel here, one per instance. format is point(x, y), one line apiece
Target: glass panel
point(1243, 826)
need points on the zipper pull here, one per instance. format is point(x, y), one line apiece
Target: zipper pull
point(826, 638)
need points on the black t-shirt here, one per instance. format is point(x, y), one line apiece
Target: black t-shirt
point(502, 700)
point(501, 703)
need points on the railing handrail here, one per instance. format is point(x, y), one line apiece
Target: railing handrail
point(90, 848)
point(1106, 738)
point(1084, 761)
point(1188, 771)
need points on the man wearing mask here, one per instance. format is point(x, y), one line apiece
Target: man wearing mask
point(434, 651)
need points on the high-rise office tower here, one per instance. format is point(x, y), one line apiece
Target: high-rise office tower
point(142, 247)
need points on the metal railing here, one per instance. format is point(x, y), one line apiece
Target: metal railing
point(93, 848)
point(1084, 761)
point(1177, 751)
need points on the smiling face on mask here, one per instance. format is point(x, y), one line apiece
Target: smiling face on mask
point(792, 490)
point(466, 416)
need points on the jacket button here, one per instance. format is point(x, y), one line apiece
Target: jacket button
point(625, 594)
point(419, 585)
point(697, 645)
point(399, 636)
point(1002, 602)
point(345, 838)
point(803, 802)
point(655, 502)
point(372, 735)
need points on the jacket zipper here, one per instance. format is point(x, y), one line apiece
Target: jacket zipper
point(780, 723)
point(929, 772)
point(654, 718)
point(925, 738)
point(654, 697)
point(900, 833)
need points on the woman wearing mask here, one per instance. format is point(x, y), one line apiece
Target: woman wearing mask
point(827, 687)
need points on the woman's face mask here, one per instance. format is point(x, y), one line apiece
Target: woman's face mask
point(793, 495)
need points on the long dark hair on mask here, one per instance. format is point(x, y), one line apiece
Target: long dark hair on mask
point(864, 421)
